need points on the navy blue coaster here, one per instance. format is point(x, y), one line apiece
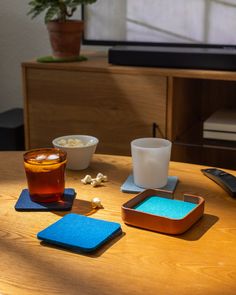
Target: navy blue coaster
point(24, 203)
point(130, 187)
point(81, 233)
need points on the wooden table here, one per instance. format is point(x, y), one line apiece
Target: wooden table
point(201, 261)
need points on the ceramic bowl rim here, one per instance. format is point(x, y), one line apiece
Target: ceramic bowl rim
point(95, 141)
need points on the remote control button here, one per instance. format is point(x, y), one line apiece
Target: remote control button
point(210, 170)
point(223, 173)
point(215, 172)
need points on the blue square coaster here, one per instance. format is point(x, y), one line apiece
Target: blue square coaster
point(24, 203)
point(130, 187)
point(78, 232)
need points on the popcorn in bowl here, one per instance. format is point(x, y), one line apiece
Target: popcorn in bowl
point(70, 142)
point(79, 149)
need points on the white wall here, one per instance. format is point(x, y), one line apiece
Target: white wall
point(21, 39)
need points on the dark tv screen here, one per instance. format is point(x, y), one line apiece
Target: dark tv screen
point(160, 22)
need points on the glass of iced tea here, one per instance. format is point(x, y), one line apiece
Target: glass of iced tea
point(45, 170)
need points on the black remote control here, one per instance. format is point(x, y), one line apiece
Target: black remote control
point(225, 180)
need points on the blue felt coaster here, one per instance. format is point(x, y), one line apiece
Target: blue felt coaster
point(78, 232)
point(130, 187)
point(24, 203)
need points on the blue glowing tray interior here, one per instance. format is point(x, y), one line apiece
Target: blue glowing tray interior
point(164, 207)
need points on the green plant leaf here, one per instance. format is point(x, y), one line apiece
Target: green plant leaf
point(51, 13)
point(61, 9)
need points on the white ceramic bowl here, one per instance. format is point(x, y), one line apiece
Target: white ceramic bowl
point(78, 157)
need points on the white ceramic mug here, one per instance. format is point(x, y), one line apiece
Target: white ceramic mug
point(150, 157)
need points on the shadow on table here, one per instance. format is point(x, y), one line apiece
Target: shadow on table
point(196, 231)
point(97, 253)
point(81, 207)
point(199, 228)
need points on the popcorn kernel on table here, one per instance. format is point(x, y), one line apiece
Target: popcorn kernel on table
point(94, 181)
point(86, 179)
point(96, 203)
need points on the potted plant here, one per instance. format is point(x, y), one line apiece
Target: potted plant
point(65, 34)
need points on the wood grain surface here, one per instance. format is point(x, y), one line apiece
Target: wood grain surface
point(120, 103)
point(97, 61)
point(59, 102)
point(201, 261)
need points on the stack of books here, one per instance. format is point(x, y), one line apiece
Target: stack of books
point(221, 125)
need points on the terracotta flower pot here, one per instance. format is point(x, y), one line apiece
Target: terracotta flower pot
point(65, 38)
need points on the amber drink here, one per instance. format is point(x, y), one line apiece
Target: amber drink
point(45, 170)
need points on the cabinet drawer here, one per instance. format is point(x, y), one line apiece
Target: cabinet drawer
point(114, 107)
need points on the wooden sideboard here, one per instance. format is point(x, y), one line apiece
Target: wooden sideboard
point(118, 103)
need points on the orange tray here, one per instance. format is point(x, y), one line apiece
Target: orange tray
point(164, 224)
